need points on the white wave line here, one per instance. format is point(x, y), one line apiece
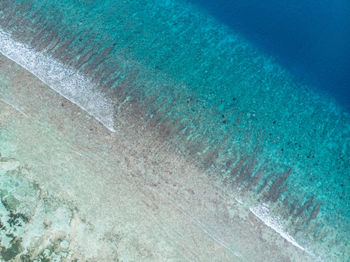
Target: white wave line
point(74, 87)
point(263, 213)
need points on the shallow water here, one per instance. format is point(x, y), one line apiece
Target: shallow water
point(147, 203)
point(200, 86)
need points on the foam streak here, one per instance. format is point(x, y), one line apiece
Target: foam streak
point(263, 213)
point(64, 80)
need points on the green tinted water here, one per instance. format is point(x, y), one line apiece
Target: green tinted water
point(223, 103)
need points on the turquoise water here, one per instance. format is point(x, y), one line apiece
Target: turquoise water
point(309, 38)
point(204, 88)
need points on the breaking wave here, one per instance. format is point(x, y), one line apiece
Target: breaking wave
point(64, 80)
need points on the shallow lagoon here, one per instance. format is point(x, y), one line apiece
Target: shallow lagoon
point(276, 145)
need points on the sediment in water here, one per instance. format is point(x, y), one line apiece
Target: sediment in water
point(203, 89)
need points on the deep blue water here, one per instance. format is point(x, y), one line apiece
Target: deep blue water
point(311, 38)
point(208, 92)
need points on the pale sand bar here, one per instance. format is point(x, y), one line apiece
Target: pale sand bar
point(129, 196)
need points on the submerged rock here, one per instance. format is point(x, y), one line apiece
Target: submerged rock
point(35, 226)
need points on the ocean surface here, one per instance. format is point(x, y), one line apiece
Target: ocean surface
point(311, 39)
point(225, 104)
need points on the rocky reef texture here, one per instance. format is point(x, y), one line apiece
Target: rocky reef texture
point(35, 226)
point(72, 190)
point(198, 89)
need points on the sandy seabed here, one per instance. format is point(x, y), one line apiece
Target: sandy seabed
point(71, 190)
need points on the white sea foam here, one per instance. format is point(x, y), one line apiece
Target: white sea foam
point(239, 200)
point(263, 213)
point(64, 80)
